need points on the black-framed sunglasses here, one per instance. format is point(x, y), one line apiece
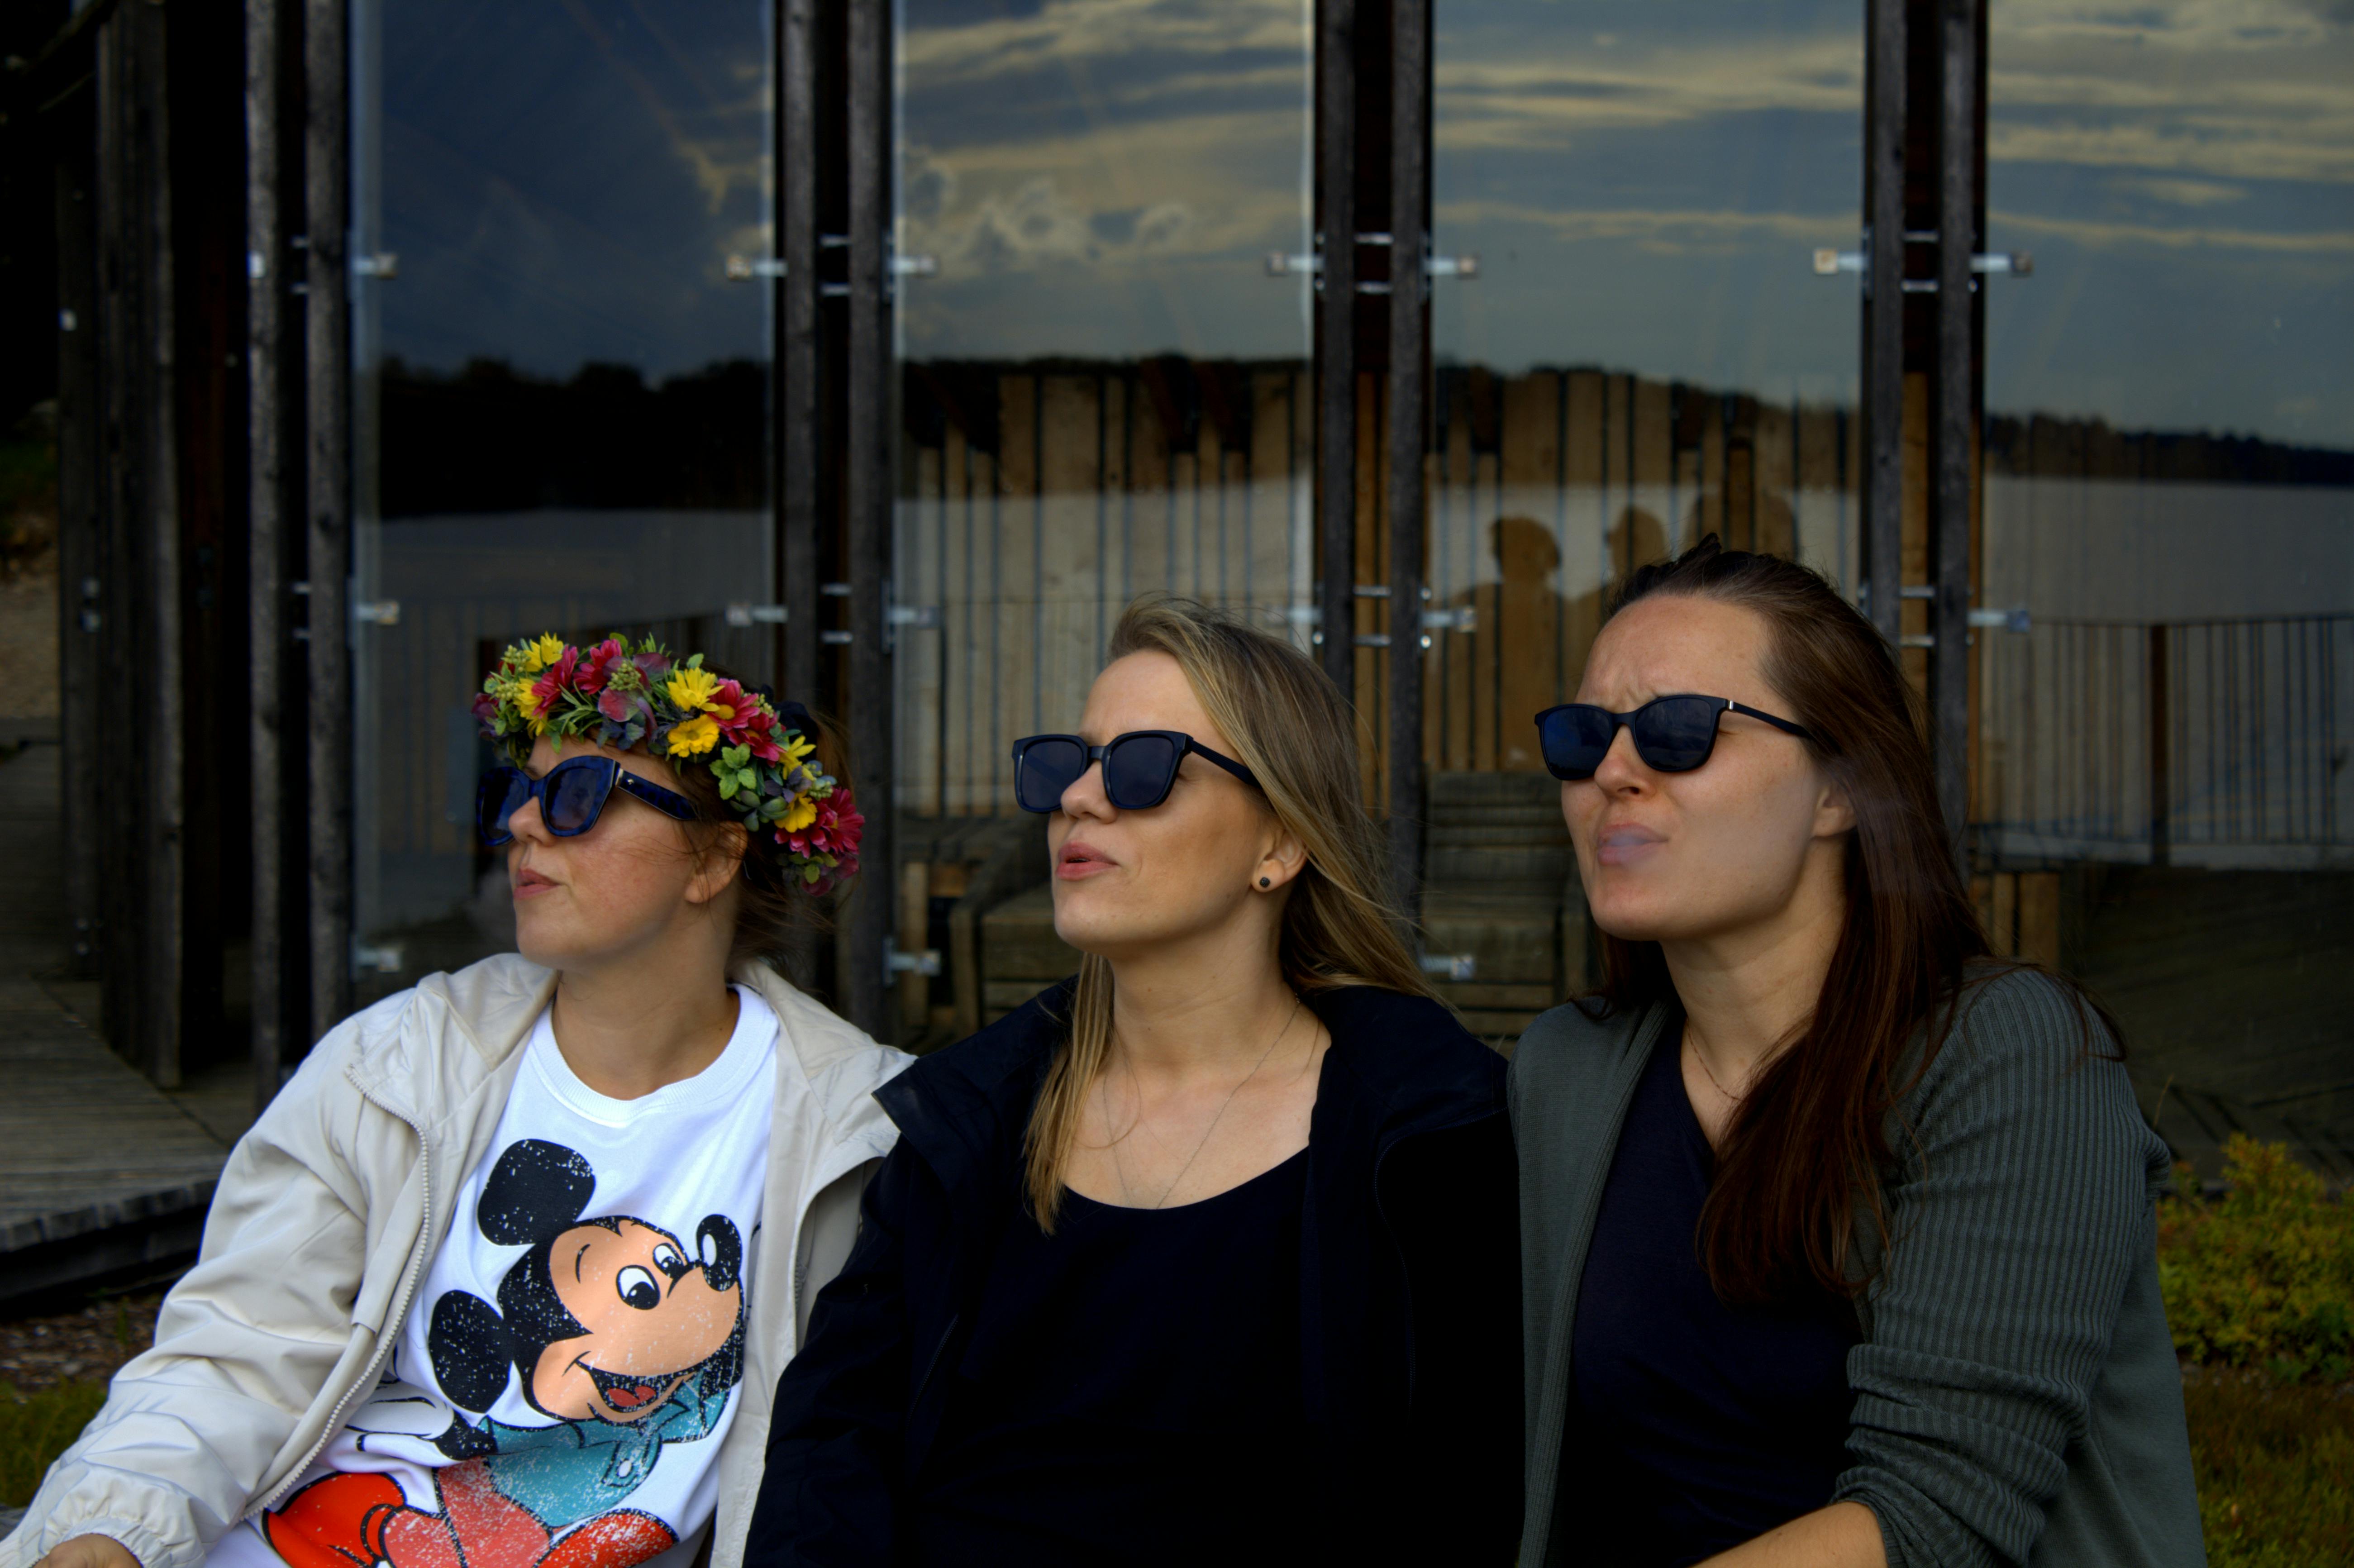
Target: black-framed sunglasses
point(570, 795)
point(1138, 768)
point(1672, 735)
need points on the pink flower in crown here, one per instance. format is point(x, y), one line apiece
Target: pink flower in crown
point(652, 666)
point(560, 675)
point(839, 824)
point(599, 666)
point(748, 724)
point(486, 709)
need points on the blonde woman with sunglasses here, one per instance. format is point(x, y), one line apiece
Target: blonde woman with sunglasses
point(1208, 1253)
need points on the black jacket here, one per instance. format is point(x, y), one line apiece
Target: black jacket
point(1409, 1292)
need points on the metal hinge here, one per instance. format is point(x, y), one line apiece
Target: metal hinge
point(376, 611)
point(381, 958)
point(757, 615)
point(1449, 966)
point(894, 962)
point(382, 264)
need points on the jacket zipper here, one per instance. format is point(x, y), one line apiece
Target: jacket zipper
point(395, 1320)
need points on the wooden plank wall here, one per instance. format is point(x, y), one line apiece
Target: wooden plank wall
point(1036, 500)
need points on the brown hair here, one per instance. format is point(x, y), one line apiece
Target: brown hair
point(775, 911)
point(1800, 1165)
point(1292, 728)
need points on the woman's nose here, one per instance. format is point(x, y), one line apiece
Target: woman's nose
point(1622, 767)
point(1085, 796)
point(525, 823)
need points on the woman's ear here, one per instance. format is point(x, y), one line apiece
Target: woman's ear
point(1282, 858)
point(1834, 813)
point(718, 861)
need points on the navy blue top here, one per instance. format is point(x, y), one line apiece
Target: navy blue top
point(1131, 1391)
point(1696, 1425)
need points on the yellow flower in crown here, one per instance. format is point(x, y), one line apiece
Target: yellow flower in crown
point(804, 812)
point(692, 690)
point(695, 736)
point(796, 745)
point(540, 652)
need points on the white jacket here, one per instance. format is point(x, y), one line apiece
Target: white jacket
point(327, 1216)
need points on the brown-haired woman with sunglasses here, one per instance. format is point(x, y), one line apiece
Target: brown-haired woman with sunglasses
point(1210, 1254)
point(1839, 1233)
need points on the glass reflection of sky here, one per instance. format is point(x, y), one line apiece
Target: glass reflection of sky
point(1644, 184)
point(563, 181)
point(1103, 178)
point(2183, 172)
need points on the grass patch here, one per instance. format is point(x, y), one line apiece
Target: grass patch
point(34, 1428)
point(2275, 1466)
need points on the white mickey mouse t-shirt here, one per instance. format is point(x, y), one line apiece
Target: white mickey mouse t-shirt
point(570, 1362)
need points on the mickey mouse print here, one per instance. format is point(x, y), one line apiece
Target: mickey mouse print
point(558, 1392)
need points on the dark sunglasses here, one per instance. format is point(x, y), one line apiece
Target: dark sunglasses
point(570, 795)
point(1672, 735)
point(1138, 768)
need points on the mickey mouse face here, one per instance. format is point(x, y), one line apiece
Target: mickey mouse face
point(647, 1316)
point(604, 1318)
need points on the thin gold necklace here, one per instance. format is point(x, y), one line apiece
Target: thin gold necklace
point(1289, 1019)
point(1699, 1057)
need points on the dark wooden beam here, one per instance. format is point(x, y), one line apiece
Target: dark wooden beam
point(1409, 416)
point(1884, 314)
point(265, 534)
point(326, 143)
point(1953, 439)
point(797, 346)
point(81, 596)
point(141, 924)
point(1336, 339)
point(865, 988)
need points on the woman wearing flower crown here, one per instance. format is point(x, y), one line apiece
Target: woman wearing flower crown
point(504, 1275)
point(1210, 1254)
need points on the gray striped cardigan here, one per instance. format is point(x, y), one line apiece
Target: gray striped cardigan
point(2017, 1398)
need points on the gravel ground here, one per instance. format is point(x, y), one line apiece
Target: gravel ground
point(41, 1353)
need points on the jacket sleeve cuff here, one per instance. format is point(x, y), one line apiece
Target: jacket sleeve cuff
point(38, 1539)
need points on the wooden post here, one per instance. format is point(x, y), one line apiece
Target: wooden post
point(1409, 382)
point(328, 512)
point(1336, 340)
point(140, 507)
point(266, 586)
point(81, 592)
point(1884, 314)
point(797, 349)
point(1953, 434)
point(864, 986)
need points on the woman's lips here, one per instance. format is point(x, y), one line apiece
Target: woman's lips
point(1625, 845)
point(1078, 862)
point(530, 884)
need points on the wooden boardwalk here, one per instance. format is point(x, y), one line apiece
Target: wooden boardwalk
point(99, 1173)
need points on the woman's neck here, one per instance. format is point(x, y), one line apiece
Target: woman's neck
point(1745, 992)
point(1208, 1009)
point(626, 1034)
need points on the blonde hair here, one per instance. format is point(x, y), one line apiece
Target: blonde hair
point(1289, 726)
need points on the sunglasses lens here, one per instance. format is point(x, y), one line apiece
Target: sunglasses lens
point(1676, 735)
point(576, 793)
point(1138, 769)
point(496, 799)
point(1047, 766)
point(1574, 739)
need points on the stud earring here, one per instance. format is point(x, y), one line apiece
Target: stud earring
point(1266, 881)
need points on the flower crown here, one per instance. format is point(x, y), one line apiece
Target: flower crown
point(644, 696)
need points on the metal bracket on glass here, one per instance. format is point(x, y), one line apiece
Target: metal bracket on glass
point(2006, 619)
point(758, 614)
point(1451, 965)
point(744, 268)
point(376, 611)
point(2013, 263)
point(894, 962)
point(379, 958)
point(1280, 264)
point(917, 617)
point(382, 264)
point(1463, 618)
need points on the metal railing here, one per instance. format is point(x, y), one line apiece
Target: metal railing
point(2206, 742)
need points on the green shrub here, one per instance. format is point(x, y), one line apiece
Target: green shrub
point(2263, 1278)
point(34, 1428)
point(2275, 1467)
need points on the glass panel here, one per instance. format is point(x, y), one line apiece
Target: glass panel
point(562, 398)
point(2170, 503)
point(1104, 390)
point(1644, 354)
